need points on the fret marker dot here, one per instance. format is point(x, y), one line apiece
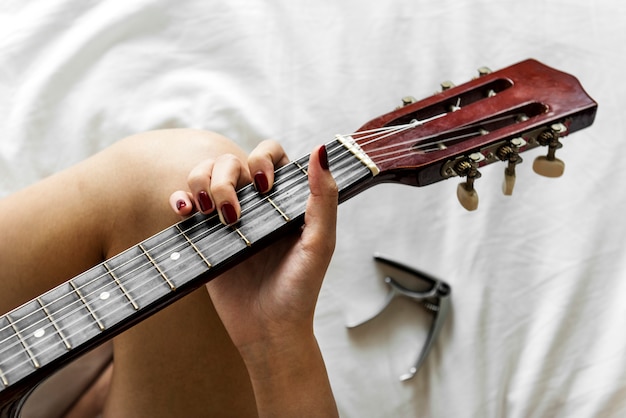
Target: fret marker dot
point(104, 295)
point(175, 256)
point(39, 333)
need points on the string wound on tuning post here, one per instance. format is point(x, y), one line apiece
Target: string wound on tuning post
point(510, 154)
point(549, 165)
point(465, 192)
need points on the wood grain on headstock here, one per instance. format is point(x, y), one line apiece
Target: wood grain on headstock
point(477, 116)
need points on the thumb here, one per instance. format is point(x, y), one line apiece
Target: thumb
point(320, 218)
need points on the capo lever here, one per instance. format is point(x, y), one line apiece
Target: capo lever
point(435, 299)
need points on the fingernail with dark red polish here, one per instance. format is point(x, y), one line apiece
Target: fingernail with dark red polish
point(229, 213)
point(180, 204)
point(205, 201)
point(260, 182)
point(323, 156)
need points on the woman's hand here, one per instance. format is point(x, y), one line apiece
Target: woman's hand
point(276, 290)
point(267, 303)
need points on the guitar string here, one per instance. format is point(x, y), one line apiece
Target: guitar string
point(135, 282)
point(393, 130)
point(363, 134)
point(263, 200)
point(110, 284)
point(182, 233)
point(78, 303)
point(370, 133)
point(109, 312)
point(423, 144)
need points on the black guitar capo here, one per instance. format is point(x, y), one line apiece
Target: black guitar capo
point(435, 299)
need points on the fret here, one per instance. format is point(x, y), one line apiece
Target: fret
point(28, 341)
point(36, 332)
point(285, 217)
point(289, 195)
point(142, 281)
point(121, 286)
point(30, 354)
point(175, 255)
point(156, 266)
point(14, 361)
point(192, 245)
point(243, 237)
point(54, 324)
point(213, 238)
point(84, 301)
point(259, 216)
point(72, 318)
point(106, 296)
point(3, 379)
point(297, 164)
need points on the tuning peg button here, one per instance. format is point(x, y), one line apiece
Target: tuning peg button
point(407, 100)
point(483, 71)
point(468, 198)
point(446, 85)
point(509, 183)
point(465, 192)
point(547, 167)
point(550, 166)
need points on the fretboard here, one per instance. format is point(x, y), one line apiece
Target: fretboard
point(116, 294)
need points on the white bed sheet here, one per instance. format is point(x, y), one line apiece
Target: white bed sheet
point(538, 279)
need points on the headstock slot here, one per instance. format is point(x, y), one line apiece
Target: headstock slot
point(450, 103)
point(450, 138)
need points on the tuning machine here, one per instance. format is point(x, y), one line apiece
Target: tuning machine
point(549, 165)
point(483, 71)
point(446, 85)
point(406, 100)
point(510, 153)
point(468, 168)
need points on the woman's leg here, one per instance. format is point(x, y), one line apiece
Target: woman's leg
point(179, 362)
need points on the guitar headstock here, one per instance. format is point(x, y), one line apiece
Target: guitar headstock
point(494, 117)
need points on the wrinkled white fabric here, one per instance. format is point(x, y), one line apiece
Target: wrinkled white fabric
point(538, 278)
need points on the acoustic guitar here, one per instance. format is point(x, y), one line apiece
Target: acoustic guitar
point(494, 117)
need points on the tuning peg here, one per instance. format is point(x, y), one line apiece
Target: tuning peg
point(482, 71)
point(446, 85)
point(465, 192)
point(510, 153)
point(550, 166)
point(406, 100)
point(468, 198)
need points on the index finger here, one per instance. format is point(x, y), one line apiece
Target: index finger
point(262, 162)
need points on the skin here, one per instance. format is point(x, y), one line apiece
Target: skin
point(216, 364)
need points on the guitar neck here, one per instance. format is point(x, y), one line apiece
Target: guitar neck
point(112, 296)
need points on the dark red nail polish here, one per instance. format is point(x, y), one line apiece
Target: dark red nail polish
point(205, 201)
point(260, 182)
point(229, 213)
point(180, 204)
point(323, 156)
